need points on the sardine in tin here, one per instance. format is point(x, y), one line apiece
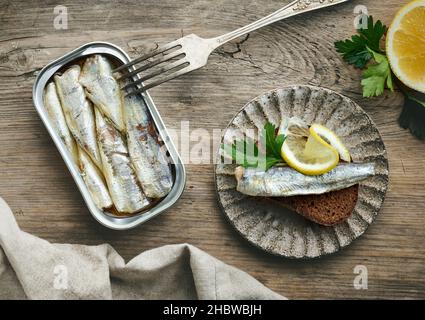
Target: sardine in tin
point(110, 221)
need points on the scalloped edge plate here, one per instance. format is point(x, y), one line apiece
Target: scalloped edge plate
point(277, 230)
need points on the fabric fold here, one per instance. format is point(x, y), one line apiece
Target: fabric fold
point(33, 268)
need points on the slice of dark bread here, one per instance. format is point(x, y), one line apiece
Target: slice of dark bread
point(326, 209)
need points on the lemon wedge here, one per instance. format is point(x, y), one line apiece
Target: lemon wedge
point(405, 45)
point(331, 138)
point(311, 156)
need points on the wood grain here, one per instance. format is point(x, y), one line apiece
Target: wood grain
point(35, 182)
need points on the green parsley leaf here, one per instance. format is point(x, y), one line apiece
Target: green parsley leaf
point(270, 162)
point(244, 153)
point(373, 34)
point(247, 154)
point(273, 146)
point(273, 142)
point(377, 76)
point(355, 50)
point(280, 139)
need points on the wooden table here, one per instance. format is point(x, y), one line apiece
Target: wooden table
point(46, 202)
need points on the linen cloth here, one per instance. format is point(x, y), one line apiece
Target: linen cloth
point(32, 268)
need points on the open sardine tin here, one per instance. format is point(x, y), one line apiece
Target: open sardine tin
point(107, 219)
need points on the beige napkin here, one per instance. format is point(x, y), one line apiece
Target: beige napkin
point(33, 268)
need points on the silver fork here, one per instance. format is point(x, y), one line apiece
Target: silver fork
point(191, 52)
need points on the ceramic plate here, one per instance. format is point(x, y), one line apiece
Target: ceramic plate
point(278, 230)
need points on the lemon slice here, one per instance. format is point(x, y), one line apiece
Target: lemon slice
point(406, 45)
point(311, 156)
point(331, 138)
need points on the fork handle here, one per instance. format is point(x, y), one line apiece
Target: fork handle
point(294, 8)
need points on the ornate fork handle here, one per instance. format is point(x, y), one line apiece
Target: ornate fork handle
point(191, 52)
point(294, 8)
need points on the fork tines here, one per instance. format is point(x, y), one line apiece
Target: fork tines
point(170, 63)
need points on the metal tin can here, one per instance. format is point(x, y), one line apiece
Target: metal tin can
point(106, 219)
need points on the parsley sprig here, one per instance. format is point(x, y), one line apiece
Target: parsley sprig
point(355, 50)
point(360, 50)
point(377, 76)
point(248, 154)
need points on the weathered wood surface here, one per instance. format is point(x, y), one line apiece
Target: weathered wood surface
point(36, 184)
